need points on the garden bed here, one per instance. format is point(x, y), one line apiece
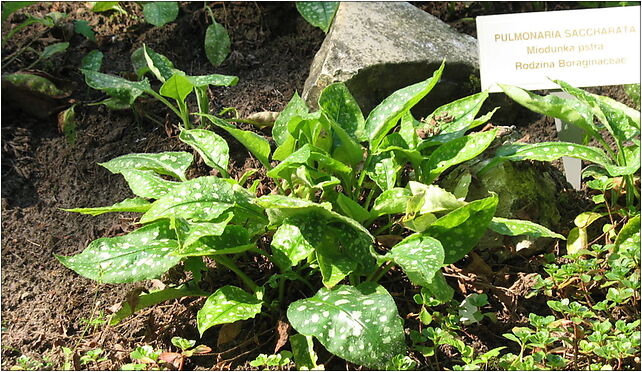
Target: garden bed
point(46, 306)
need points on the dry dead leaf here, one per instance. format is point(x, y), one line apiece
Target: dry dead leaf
point(282, 329)
point(175, 359)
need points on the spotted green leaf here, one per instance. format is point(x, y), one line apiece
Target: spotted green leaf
point(169, 163)
point(198, 230)
point(200, 199)
point(34, 84)
point(629, 237)
point(383, 170)
point(256, 144)
point(303, 351)
point(160, 12)
point(289, 246)
point(227, 305)
point(460, 230)
point(212, 147)
point(216, 80)
point(234, 239)
point(386, 115)
point(392, 201)
point(295, 107)
point(177, 87)
point(145, 59)
point(454, 152)
point(82, 27)
point(145, 253)
point(308, 154)
point(420, 256)
point(122, 89)
point(510, 227)
point(340, 106)
point(318, 13)
point(127, 205)
point(549, 151)
point(147, 183)
point(359, 324)
point(439, 288)
point(92, 60)
point(217, 43)
point(51, 50)
point(344, 148)
point(569, 110)
point(461, 114)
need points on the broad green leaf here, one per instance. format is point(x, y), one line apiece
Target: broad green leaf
point(217, 43)
point(83, 28)
point(584, 219)
point(439, 288)
point(177, 87)
point(408, 130)
point(169, 163)
point(103, 6)
point(289, 246)
point(199, 199)
point(303, 351)
point(318, 13)
point(200, 230)
point(352, 209)
point(159, 13)
point(115, 86)
point(418, 223)
point(455, 152)
point(92, 60)
point(212, 147)
point(577, 240)
point(386, 115)
point(234, 239)
point(345, 148)
point(633, 91)
point(510, 227)
point(420, 256)
point(433, 198)
point(308, 154)
point(295, 107)
point(147, 183)
point(127, 205)
point(216, 80)
point(629, 237)
point(145, 253)
point(550, 151)
point(227, 305)
point(145, 59)
point(340, 106)
point(9, 7)
point(569, 110)
point(459, 115)
point(359, 324)
point(334, 265)
point(460, 230)
point(393, 201)
point(256, 144)
point(53, 49)
point(383, 170)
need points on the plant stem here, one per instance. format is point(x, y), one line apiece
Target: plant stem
point(379, 273)
point(230, 265)
point(166, 102)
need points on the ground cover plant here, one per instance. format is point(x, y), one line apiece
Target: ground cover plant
point(325, 207)
point(336, 197)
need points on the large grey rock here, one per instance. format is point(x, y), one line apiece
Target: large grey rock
point(379, 47)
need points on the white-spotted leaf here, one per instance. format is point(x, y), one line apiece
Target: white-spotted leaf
point(127, 205)
point(340, 106)
point(318, 13)
point(212, 147)
point(454, 152)
point(147, 183)
point(122, 89)
point(160, 12)
point(505, 226)
point(359, 324)
point(420, 256)
point(200, 199)
point(549, 151)
point(393, 201)
point(386, 115)
point(433, 198)
point(289, 246)
point(142, 254)
point(216, 80)
point(227, 305)
point(629, 237)
point(92, 60)
point(383, 170)
point(296, 106)
point(234, 239)
point(169, 163)
point(459, 115)
point(198, 230)
point(460, 230)
point(217, 43)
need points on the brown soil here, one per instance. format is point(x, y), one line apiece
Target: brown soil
point(44, 305)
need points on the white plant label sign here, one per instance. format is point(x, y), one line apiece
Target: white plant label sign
point(587, 47)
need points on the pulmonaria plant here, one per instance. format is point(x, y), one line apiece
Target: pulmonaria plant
point(355, 199)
